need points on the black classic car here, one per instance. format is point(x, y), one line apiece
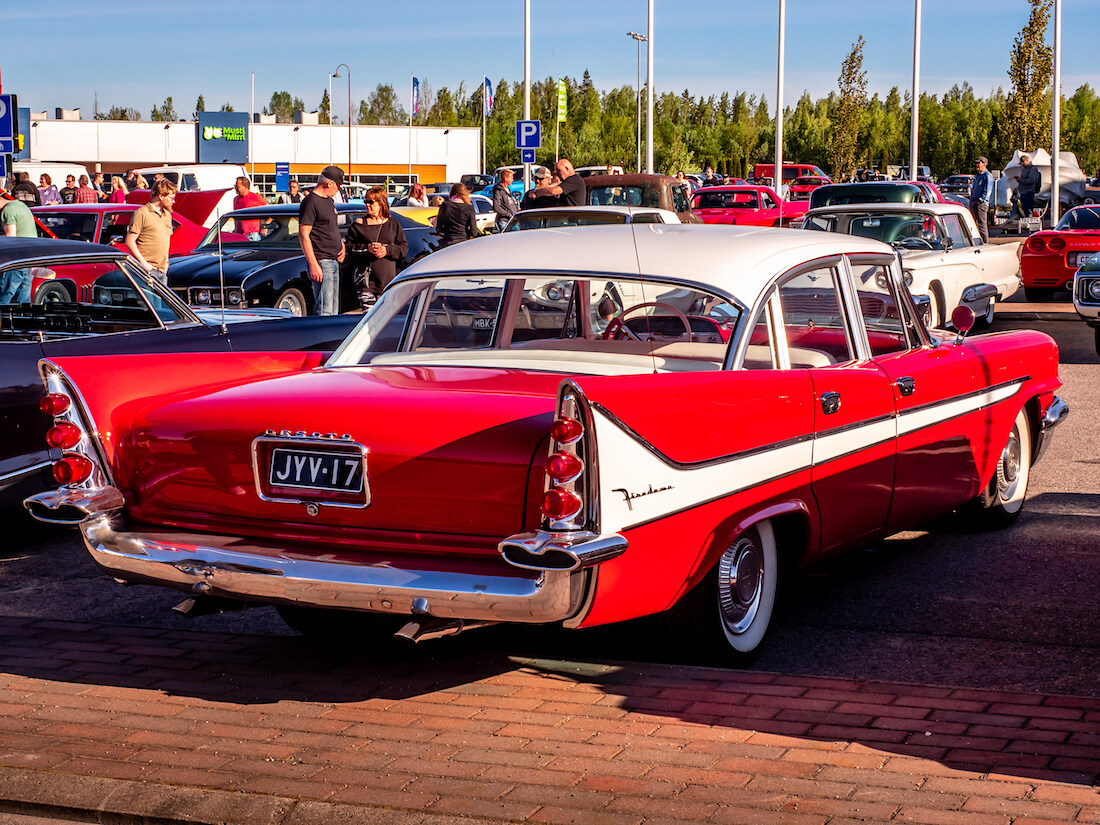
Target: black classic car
point(254, 257)
point(112, 307)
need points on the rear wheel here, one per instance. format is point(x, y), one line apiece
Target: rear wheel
point(52, 293)
point(1038, 295)
point(293, 300)
point(1003, 499)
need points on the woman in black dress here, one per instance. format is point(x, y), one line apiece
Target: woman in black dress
point(379, 243)
point(456, 220)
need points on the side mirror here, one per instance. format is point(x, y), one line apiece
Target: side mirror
point(962, 318)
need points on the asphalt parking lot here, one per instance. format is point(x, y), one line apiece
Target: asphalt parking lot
point(942, 676)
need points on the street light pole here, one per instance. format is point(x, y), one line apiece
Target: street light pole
point(330, 119)
point(649, 92)
point(639, 39)
point(337, 74)
point(914, 113)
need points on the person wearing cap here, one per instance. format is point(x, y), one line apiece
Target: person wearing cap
point(1030, 181)
point(541, 195)
point(17, 222)
point(981, 191)
point(319, 236)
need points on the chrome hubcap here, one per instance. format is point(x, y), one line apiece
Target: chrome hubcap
point(740, 584)
point(1008, 469)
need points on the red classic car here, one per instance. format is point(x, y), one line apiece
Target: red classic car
point(800, 188)
point(745, 206)
point(1050, 257)
point(576, 426)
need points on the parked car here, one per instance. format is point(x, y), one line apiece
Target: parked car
point(800, 188)
point(484, 216)
point(586, 171)
point(1051, 257)
point(957, 184)
point(644, 189)
point(941, 251)
point(267, 268)
point(745, 206)
point(575, 427)
point(835, 194)
point(106, 223)
point(558, 217)
point(1086, 296)
point(109, 306)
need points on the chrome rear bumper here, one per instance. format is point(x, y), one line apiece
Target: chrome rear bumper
point(1054, 415)
point(234, 568)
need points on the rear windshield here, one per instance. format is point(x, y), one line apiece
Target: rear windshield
point(1081, 218)
point(625, 196)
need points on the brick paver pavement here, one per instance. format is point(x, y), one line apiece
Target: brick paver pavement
point(133, 723)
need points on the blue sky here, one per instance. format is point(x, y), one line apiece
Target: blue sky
point(134, 56)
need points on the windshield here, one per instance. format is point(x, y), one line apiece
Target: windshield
point(907, 230)
point(277, 231)
point(1081, 218)
point(625, 196)
point(602, 325)
point(541, 219)
point(726, 200)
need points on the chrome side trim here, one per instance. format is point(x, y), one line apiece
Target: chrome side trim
point(543, 550)
point(231, 567)
point(24, 472)
point(73, 505)
point(1055, 414)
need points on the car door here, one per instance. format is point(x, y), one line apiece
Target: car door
point(965, 258)
point(854, 431)
point(933, 389)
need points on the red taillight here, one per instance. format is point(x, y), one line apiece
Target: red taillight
point(54, 404)
point(1057, 244)
point(563, 467)
point(558, 504)
point(72, 469)
point(1036, 244)
point(64, 435)
point(566, 430)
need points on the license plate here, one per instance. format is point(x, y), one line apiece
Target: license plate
point(1082, 258)
point(316, 470)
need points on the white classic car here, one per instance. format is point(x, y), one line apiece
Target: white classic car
point(941, 251)
point(558, 217)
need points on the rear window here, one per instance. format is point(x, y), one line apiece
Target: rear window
point(625, 196)
point(1080, 219)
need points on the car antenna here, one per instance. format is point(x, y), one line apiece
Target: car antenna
point(221, 273)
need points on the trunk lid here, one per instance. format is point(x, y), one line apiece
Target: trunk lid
point(448, 450)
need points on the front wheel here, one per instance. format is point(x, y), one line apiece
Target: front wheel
point(1002, 500)
point(293, 300)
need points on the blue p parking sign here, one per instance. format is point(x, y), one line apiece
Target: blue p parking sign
point(7, 124)
point(528, 135)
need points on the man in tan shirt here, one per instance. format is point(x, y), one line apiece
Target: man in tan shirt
point(150, 230)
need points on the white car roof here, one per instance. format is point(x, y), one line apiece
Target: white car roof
point(934, 208)
point(667, 214)
point(738, 261)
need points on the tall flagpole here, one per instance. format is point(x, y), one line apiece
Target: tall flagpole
point(777, 178)
point(411, 79)
point(484, 106)
point(914, 114)
point(1056, 119)
point(649, 94)
point(526, 81)
point(252, 117)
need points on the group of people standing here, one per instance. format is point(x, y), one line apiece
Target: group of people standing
point(562, 187)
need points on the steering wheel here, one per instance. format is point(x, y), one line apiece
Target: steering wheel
point(618, 324)
point(915, 243)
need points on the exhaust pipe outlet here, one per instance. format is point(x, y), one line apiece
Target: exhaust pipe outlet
point(421, 630)
point(195, 606)
point(73, 505)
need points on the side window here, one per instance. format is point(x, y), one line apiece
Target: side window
point(956, 231)
point(813, 319)
point(766, 201)
point(878, 304)
point(546, 310)
point(761, 353)
point(680, 200)
point(461, 313)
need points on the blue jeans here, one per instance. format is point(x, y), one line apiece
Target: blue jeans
point(15, 287)
point(326, 292)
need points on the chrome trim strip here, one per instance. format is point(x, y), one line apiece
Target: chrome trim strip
point(572, 550)
point(50, 506)
point(230, 567)
point(26, 471)
point(1055, 414)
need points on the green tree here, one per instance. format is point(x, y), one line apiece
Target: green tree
point(852, 98)
point(165, 112)
point(382, 108)
point(283, 106)
point(119, 113)
point(200, 106)
point(324, 110)
point(1027, 114)
point(226, 107)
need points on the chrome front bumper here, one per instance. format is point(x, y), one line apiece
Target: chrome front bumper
point(1056, 412)
point(231, 567)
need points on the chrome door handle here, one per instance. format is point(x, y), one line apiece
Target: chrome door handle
point(830, 402)
point(907, 386)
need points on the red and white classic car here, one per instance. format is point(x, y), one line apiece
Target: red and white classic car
point(575, 426)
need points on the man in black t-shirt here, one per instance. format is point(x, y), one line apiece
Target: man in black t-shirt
point(68, 193)
point(25, 190)
point(571, 191)
point(319, 235)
